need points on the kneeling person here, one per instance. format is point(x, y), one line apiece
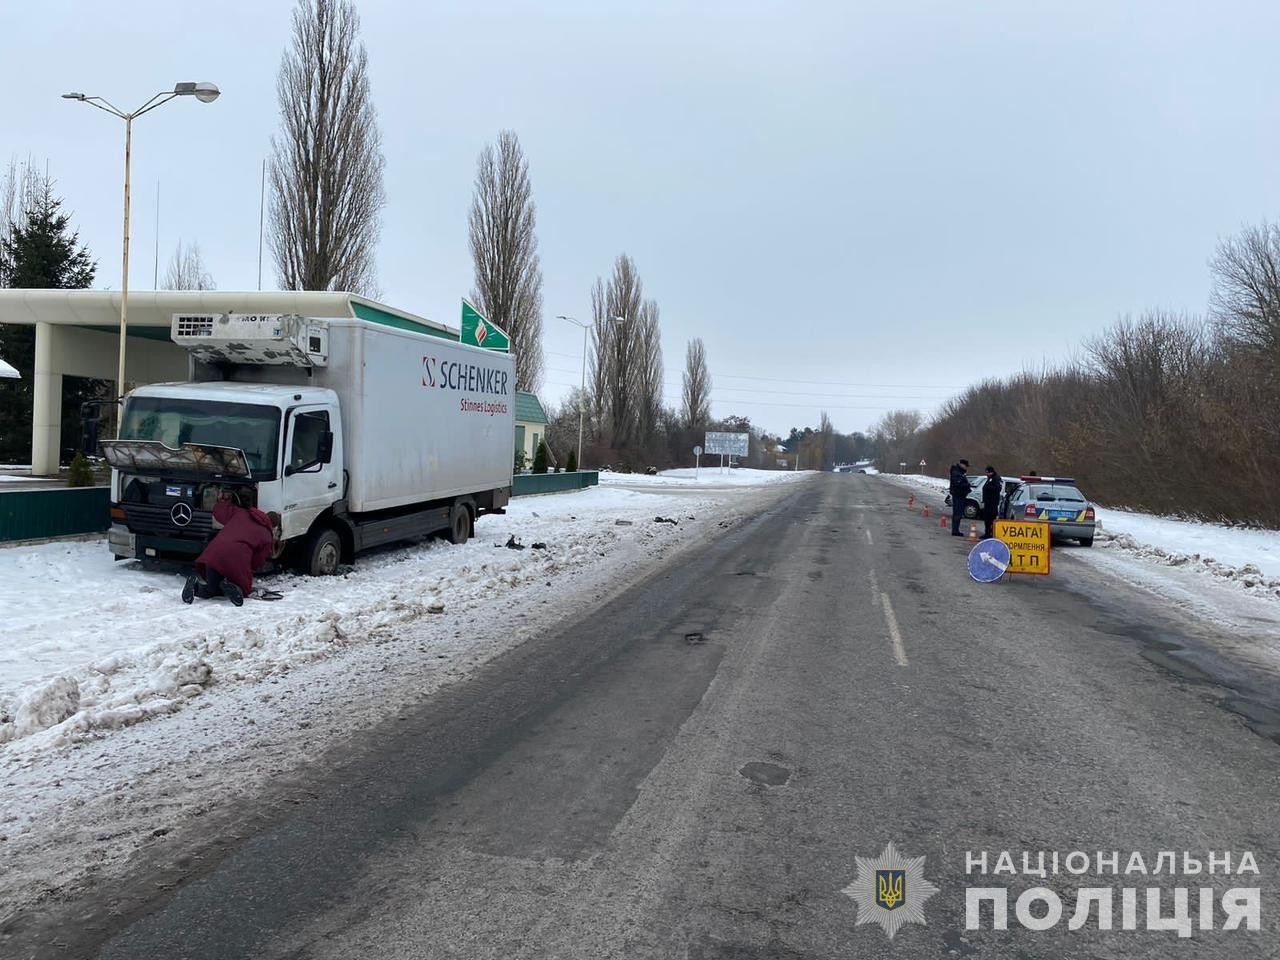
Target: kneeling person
point(240, 548)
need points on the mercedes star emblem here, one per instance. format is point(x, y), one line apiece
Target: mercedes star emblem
point(180, 514)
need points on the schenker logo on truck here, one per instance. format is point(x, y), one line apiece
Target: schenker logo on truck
point(468, 378)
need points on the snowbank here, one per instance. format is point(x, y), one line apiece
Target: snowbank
point(130, 649)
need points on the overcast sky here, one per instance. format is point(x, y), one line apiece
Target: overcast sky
point(856, 206)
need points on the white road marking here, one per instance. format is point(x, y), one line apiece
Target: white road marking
point(875, 586)
point(869, 540)
point(899, 651)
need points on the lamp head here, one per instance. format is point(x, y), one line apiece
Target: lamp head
point(73, 96)
point(204, 92)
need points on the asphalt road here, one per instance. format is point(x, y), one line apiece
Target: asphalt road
point(691, 770)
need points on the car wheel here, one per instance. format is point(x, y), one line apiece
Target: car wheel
point(1086, 541)
point(971, 510)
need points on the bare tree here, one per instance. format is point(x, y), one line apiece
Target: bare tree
point(697, 385)
point(616, 351)
point(826, 440)
point(186, 270)
point(1246, 292)
point(504, 249)
point(21, 185)
point(326, 164)
point(647, 372)
point(894, 435)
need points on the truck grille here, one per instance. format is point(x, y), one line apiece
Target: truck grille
point(154, 520)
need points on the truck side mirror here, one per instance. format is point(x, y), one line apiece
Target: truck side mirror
point(325, 452)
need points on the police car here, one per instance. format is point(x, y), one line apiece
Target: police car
point(1057, 501)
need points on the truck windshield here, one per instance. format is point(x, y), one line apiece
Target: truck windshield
point(173, 421)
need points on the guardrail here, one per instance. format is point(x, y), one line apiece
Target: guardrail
point(60, 512)
point(528, 484)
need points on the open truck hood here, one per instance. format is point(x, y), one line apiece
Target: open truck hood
point(152, 456)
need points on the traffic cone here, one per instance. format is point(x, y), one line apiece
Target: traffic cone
point(926, 511)
point(911, 502)
point(973, 532)
point(942, 521)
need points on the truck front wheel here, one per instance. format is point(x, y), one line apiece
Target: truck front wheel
point(322, 554)
point(459, 524)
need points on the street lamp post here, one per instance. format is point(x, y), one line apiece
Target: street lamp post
point(582, 389)
point(205, 93)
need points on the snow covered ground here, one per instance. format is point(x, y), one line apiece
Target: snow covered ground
point(705, 477)
point(124, 712)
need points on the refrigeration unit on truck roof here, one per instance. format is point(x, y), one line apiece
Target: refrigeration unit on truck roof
point(275, 339)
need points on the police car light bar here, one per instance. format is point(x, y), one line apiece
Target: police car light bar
point(1036, 479)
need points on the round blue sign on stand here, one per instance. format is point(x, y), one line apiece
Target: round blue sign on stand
point(988, 560)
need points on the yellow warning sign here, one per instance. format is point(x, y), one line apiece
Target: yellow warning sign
point(1028, 543)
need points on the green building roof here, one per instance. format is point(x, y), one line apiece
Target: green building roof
point(529, 409)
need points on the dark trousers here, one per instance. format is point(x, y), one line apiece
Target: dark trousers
point(211, 585)
point(989, 519)
point(957, 514)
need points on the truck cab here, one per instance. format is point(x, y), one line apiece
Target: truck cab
point(184, 445)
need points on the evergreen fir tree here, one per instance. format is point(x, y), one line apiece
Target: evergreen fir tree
point(43, 254)
point(572, 461)
point(540, 458)
point(80, 474)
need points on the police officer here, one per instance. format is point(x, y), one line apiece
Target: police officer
point(991, 491)
point(959, 494)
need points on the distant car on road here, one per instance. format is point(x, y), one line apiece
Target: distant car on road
point(1056, 500)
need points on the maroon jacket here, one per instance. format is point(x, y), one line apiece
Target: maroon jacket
point(242, 546)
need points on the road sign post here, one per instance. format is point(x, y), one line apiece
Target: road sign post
point(989, 560)
point(1028, 543)
point(733, 444)
point(697, 459)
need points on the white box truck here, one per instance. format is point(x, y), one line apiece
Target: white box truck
point(357, 433)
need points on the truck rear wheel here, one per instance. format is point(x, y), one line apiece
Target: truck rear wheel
point(322, 553)
point(459, 524)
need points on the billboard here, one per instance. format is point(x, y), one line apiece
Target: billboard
point(731, 444)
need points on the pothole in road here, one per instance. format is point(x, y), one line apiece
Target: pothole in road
point(765, 774)
point(694, 638)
